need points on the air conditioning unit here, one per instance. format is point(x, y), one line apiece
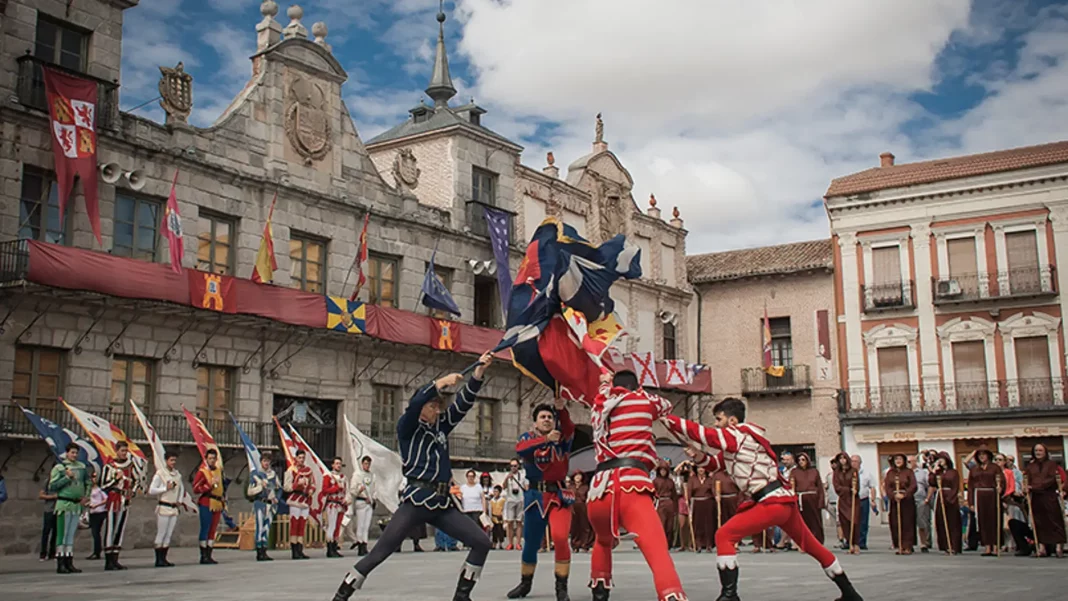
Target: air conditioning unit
point(949, 289)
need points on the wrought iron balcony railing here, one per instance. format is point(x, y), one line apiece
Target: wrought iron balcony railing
point(1018, 282)
point(884, 297)
point(795, 378)
point(14, 261)
point(31, 90)
point(476, 219)
point(1005, 396)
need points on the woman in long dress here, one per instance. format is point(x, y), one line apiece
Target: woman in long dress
point(1041, 475)
point(899, 485)
point(809, 488)
point(581, 531)
point(845, 484)
point(944, 488)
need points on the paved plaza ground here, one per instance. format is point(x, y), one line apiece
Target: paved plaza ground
point(431, 577)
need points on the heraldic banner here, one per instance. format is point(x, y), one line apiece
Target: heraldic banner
point(72, 105)
point(212, 291)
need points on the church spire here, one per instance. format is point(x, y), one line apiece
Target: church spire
point(441, 88)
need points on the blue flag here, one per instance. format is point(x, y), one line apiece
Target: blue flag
point(435, 294)
point(497, 222)
point(251, 452)
point(59, 437)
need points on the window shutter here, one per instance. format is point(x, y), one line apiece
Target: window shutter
point(886, 265)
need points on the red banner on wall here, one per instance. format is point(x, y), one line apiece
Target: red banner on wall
point(72, 105)
point(444, 335)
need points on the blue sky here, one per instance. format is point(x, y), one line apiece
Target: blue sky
point(739, 115)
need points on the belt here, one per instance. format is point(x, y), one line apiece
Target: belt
point(166, 504)
point(69, 499)
point(364, 499)
point(665, 497)
point(439, 488)
point(977, 489)
point(729, 495)
point(771, 487)
point(215, 497)
point(545, 486)
point(621, 462)
point(701, 498)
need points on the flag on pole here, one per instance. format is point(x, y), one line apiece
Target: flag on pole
point(386, 464)
point(497, 224)
point(266, 264)
point(775, 371)
point(289, 448)
point(202, 437)
point(159, 455)
point(251, 452)
point(319, 471)
point(172, 227)
point(58, 437)
point(435, 294)
point(361, 258)
point(105, 436)
point(645, 366)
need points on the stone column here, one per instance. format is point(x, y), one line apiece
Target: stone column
point(854, 338)
point(921, 252)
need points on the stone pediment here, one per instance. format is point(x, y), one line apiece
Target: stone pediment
point(306, 56)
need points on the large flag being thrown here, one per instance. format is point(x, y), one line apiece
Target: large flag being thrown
point(386, 464)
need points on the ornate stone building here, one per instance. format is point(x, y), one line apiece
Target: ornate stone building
point(98, 324)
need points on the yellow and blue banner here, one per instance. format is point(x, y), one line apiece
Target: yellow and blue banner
point(346, 315)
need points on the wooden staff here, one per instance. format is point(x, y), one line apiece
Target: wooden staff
point(719, 505)
point(945, 520)
point(897, 487)
point(1031, 514)
point(793, 487)
point(689, 508)
point(997, 488)
point(852, 511)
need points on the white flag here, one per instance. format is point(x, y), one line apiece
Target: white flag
point(386, 465)
point(158, 456)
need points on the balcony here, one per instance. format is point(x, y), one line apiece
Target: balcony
point(14, 261)
point(795, 379)
point(476, 220)
point(980, 399)
point(888, 297)
point(31, 90)
point(1016, 283)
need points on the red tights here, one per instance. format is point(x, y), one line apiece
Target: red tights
point(760, 517)
point(638, 516)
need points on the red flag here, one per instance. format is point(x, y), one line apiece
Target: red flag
point(212, 291)
point(361, 258)
point(72, 106)
point(568, 363)
point(444, 334)
point(202, 437)
point(266, 264)
point(172, 227)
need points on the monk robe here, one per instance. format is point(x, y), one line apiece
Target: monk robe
point(581, 531)
point(848, 504)
point(811, 497)
point(729, 498)
point(703, 514)
point(667, 498)
point(983, 481)
point(903, 512)
point(947, 510)
point(1049, 522)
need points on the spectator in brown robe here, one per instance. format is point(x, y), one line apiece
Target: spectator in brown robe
point(811, 498)
point(667, 498)
point(984, 482)
point(1040, 477)
point(899, 485)
point(703, 512)
point(581, 531)
point(845, 484)
point(944, 482)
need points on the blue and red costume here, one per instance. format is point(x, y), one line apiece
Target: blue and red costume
point(547, 500)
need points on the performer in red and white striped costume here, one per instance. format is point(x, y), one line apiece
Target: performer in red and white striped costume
point(748, 458)
point(621, 492)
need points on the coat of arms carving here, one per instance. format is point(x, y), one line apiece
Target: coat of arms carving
point(307, 120)
point(406, 170)
point(176, 93)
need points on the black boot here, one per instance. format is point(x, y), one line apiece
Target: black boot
point(159, 558)
point(293, 551)
point(561, 588)
point(115, 561)
point(362, 549)
point(848, 592)
point(600, 592)
point(204, 556)
point(208, 553)
point(70, 565)
point(417, 548)
point(61, 565)
point(165, 562)
point(523, 588)
point(109, 561)
point(351, 582)
point(728, 580)
point(464, 586)
point(300, 552)
point(337, 550)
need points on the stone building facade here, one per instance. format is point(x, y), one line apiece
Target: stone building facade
point(949, 299)
point(793, 283)
point(286, 136)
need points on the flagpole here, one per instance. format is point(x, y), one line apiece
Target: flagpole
point(433, 255)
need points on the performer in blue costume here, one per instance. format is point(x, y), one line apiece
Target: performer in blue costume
point(264, 490)
point(545, 450)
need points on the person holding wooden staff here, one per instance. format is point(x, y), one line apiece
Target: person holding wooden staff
point(984, 483)
point(684, 535)
point(845, 485)
point(944, 482)
point(810, 495)
point(667, 499)
point(702, 493)
point(729, 497)
point(899, 485)
point(1044, 491)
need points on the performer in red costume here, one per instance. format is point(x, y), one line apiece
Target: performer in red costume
point(621, 492)
point(334, 499)
point(299, 484)
point(747, 457)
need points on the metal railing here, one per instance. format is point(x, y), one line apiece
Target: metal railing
point(14, 261)
point(1012, 283)
point(476, 219)
point(959, 397)
point(31, 90)
point(794, 378)
point(882, 297)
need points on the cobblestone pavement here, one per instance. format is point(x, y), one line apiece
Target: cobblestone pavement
point(431, 577)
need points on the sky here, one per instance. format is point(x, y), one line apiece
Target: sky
point(738, 113)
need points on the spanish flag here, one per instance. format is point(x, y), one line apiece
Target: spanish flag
point(776, 371)
point(263, 271)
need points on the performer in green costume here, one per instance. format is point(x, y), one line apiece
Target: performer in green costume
point(71, 482)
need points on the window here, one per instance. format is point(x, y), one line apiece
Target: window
point(669, 341)
point(61, 44)
point(894, 378)
point(131, 378)
point(1033, 371)
point(385, 412)
point(1022, 251)
point(486, 426)
point(215, 242)
point(137, 223)
point(307, 269)
point(382, 281)
point(215, 385)
point(484, 186)
point(782, 348)
point(39, 208)
point(486, 307)
point(445, 275)
point(38, 381)
point(969, 373)
point(886, 266)
point(963, 266)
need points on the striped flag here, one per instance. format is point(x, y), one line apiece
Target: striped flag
point(266, 264)
point(775, 371)
point(105, 435)
point(361, 258)
point(319, 470)
point(202, 437)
